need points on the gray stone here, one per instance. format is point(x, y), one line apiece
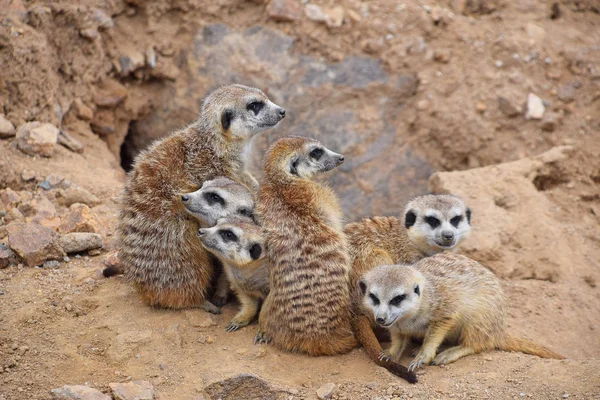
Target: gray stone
point(76, 194)
point(80, 241)
point(78, 392)
point(51, 264)
point(7, 256)
point(508, 108)
point(136, 390)
point(7, 129)
point(325, 391)
point(35, 138)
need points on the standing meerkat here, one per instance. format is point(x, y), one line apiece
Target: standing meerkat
point(443, 297)
point(239, 244)
point(308, 306)
point(430, 224)
point(160, 250)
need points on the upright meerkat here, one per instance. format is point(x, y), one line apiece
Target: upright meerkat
point(430, 224)
point(443, 297)
point(160, 250)
point(239, 244)
point(308, 306)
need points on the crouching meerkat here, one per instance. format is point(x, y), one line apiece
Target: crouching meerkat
point(239, 244)
point(430, 224)
point(160, 250)
point(308, 306)
point(443, 297)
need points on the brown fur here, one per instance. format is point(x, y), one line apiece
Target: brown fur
point(308, 308)
point(160, 251)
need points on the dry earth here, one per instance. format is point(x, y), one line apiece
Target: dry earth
point(403, 89)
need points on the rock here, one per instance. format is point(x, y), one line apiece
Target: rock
point(7, 129)
point(27, 175)
point(51, 264)
point(535, 107)
point(110, 94)
point(76, 194)
point(243, 386)
point(353, 15)
point(90, 33)
point(69, 142)
point(9, 197)
point(51, 182)
point(129, 63)
point(550, 122)
point(79, 219)
point(82, 111)
point(423, 105)
point(38, 209)
point(535, 32)
point(481, 108)
point(136, 390)
point(112, 259)
point(78, 392)
point(165, 69)
point(94, 252)
point(508, 108)
point(566, 92)
point(103, 20)
point(34, 243)
point(35, 138)
point(315, 13)
point(442, 56)
point(335, 17)
point(150, 57)
point(104, 122)
point(14, 214)
point(284, 10)
point(7, 256)
point(199, 319)
point(325, 391)
point(80, 241)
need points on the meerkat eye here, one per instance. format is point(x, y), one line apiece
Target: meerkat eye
point(456, 220)
point(374, 299)
point(228, 236)
point(397, 300)
point(417, 290)
point(255, 106)
point(468, 212)
point(432, 221)
point(245, 212)
point(316, 154)
point(212, 198)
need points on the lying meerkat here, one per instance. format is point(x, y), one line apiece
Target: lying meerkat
point(430, 224)
point(443, 297)
point(308, 306)
point(238, 243)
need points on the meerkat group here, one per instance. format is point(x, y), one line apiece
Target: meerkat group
point(190, 207)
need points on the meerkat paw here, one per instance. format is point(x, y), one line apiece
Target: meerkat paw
point(219, 300)
point(422, 358)
point(261, 338)
point(235, 324)
point(415, 351)
point(385, 356)
point(450, 355)
point(210, 307)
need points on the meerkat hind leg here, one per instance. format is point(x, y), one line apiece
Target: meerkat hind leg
point(249, 309)
point(209, 307)
point(452, 354)
point(222, 291)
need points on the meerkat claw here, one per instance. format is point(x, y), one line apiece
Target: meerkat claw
point(232, 327)
point(383, 356)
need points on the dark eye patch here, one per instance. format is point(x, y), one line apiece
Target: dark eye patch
point(245, 212)
point(417, 290)
point(255, 106)
point(410, 219)
point(374, 299)
point(294, 168)
point(228, 236)
point(432, 221)
point(255, 251)
point(468, 212)
point(397, 300)
point(213, 198)
point(316, 154)
point(456, 220)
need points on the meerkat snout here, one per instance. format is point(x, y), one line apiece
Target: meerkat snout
point(282, 113)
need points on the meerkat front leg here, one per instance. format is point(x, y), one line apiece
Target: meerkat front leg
point(209, 307)
point(399, 342)
point(433, 339)
point(222, 291)
point(247, 313)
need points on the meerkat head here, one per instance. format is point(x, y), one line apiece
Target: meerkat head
point(241, 111)
point(392, 292)
point(437, 222)
point(300, 158)
point(237, 241)
point(219, 198)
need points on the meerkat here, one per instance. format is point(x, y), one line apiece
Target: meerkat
point(239, 244)
point(160, 250)
point(443, 297)
point(308, 306)
point(430, 224)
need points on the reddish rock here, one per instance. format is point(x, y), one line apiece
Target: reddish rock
point(104, 122)
point(136, 390)
point(14, 214)
point(79, 219)
point(165, 69)
point(35, 138)
point(7, 129)
point(112, 259)
point(9, 197)
point(34, 243)
point(284, 10)
point(82, 111)
point(110, 94)
point(40, 208)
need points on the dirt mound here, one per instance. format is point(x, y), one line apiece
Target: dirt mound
point(502, 94)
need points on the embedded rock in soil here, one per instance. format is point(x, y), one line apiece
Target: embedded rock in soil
point(284, 10)
point(78, 392)
point(34, 243)
point(7, 129)
point(7, 256)
point(35, 138)
point(136, 390)
point(80, 241)
point(325, 391)
point(77, 194)
point(244, 386)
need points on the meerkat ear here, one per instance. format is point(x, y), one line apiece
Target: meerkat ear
point(410, 218)
point(363, 287)
point(255, 251)
point(226, 119)
point(417, 290)
point(468, 212)
point(294, 166)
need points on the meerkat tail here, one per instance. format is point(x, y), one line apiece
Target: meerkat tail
point(112, 271)
point(366, 337)
point(513, 343)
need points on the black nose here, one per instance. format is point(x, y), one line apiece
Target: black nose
point(380, 320)
point(448, 235)
point(282, 112)
point(341, 159)
point(185, 198)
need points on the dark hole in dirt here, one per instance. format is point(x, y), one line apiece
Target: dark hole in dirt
point(547, 182)
point(127, 152)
